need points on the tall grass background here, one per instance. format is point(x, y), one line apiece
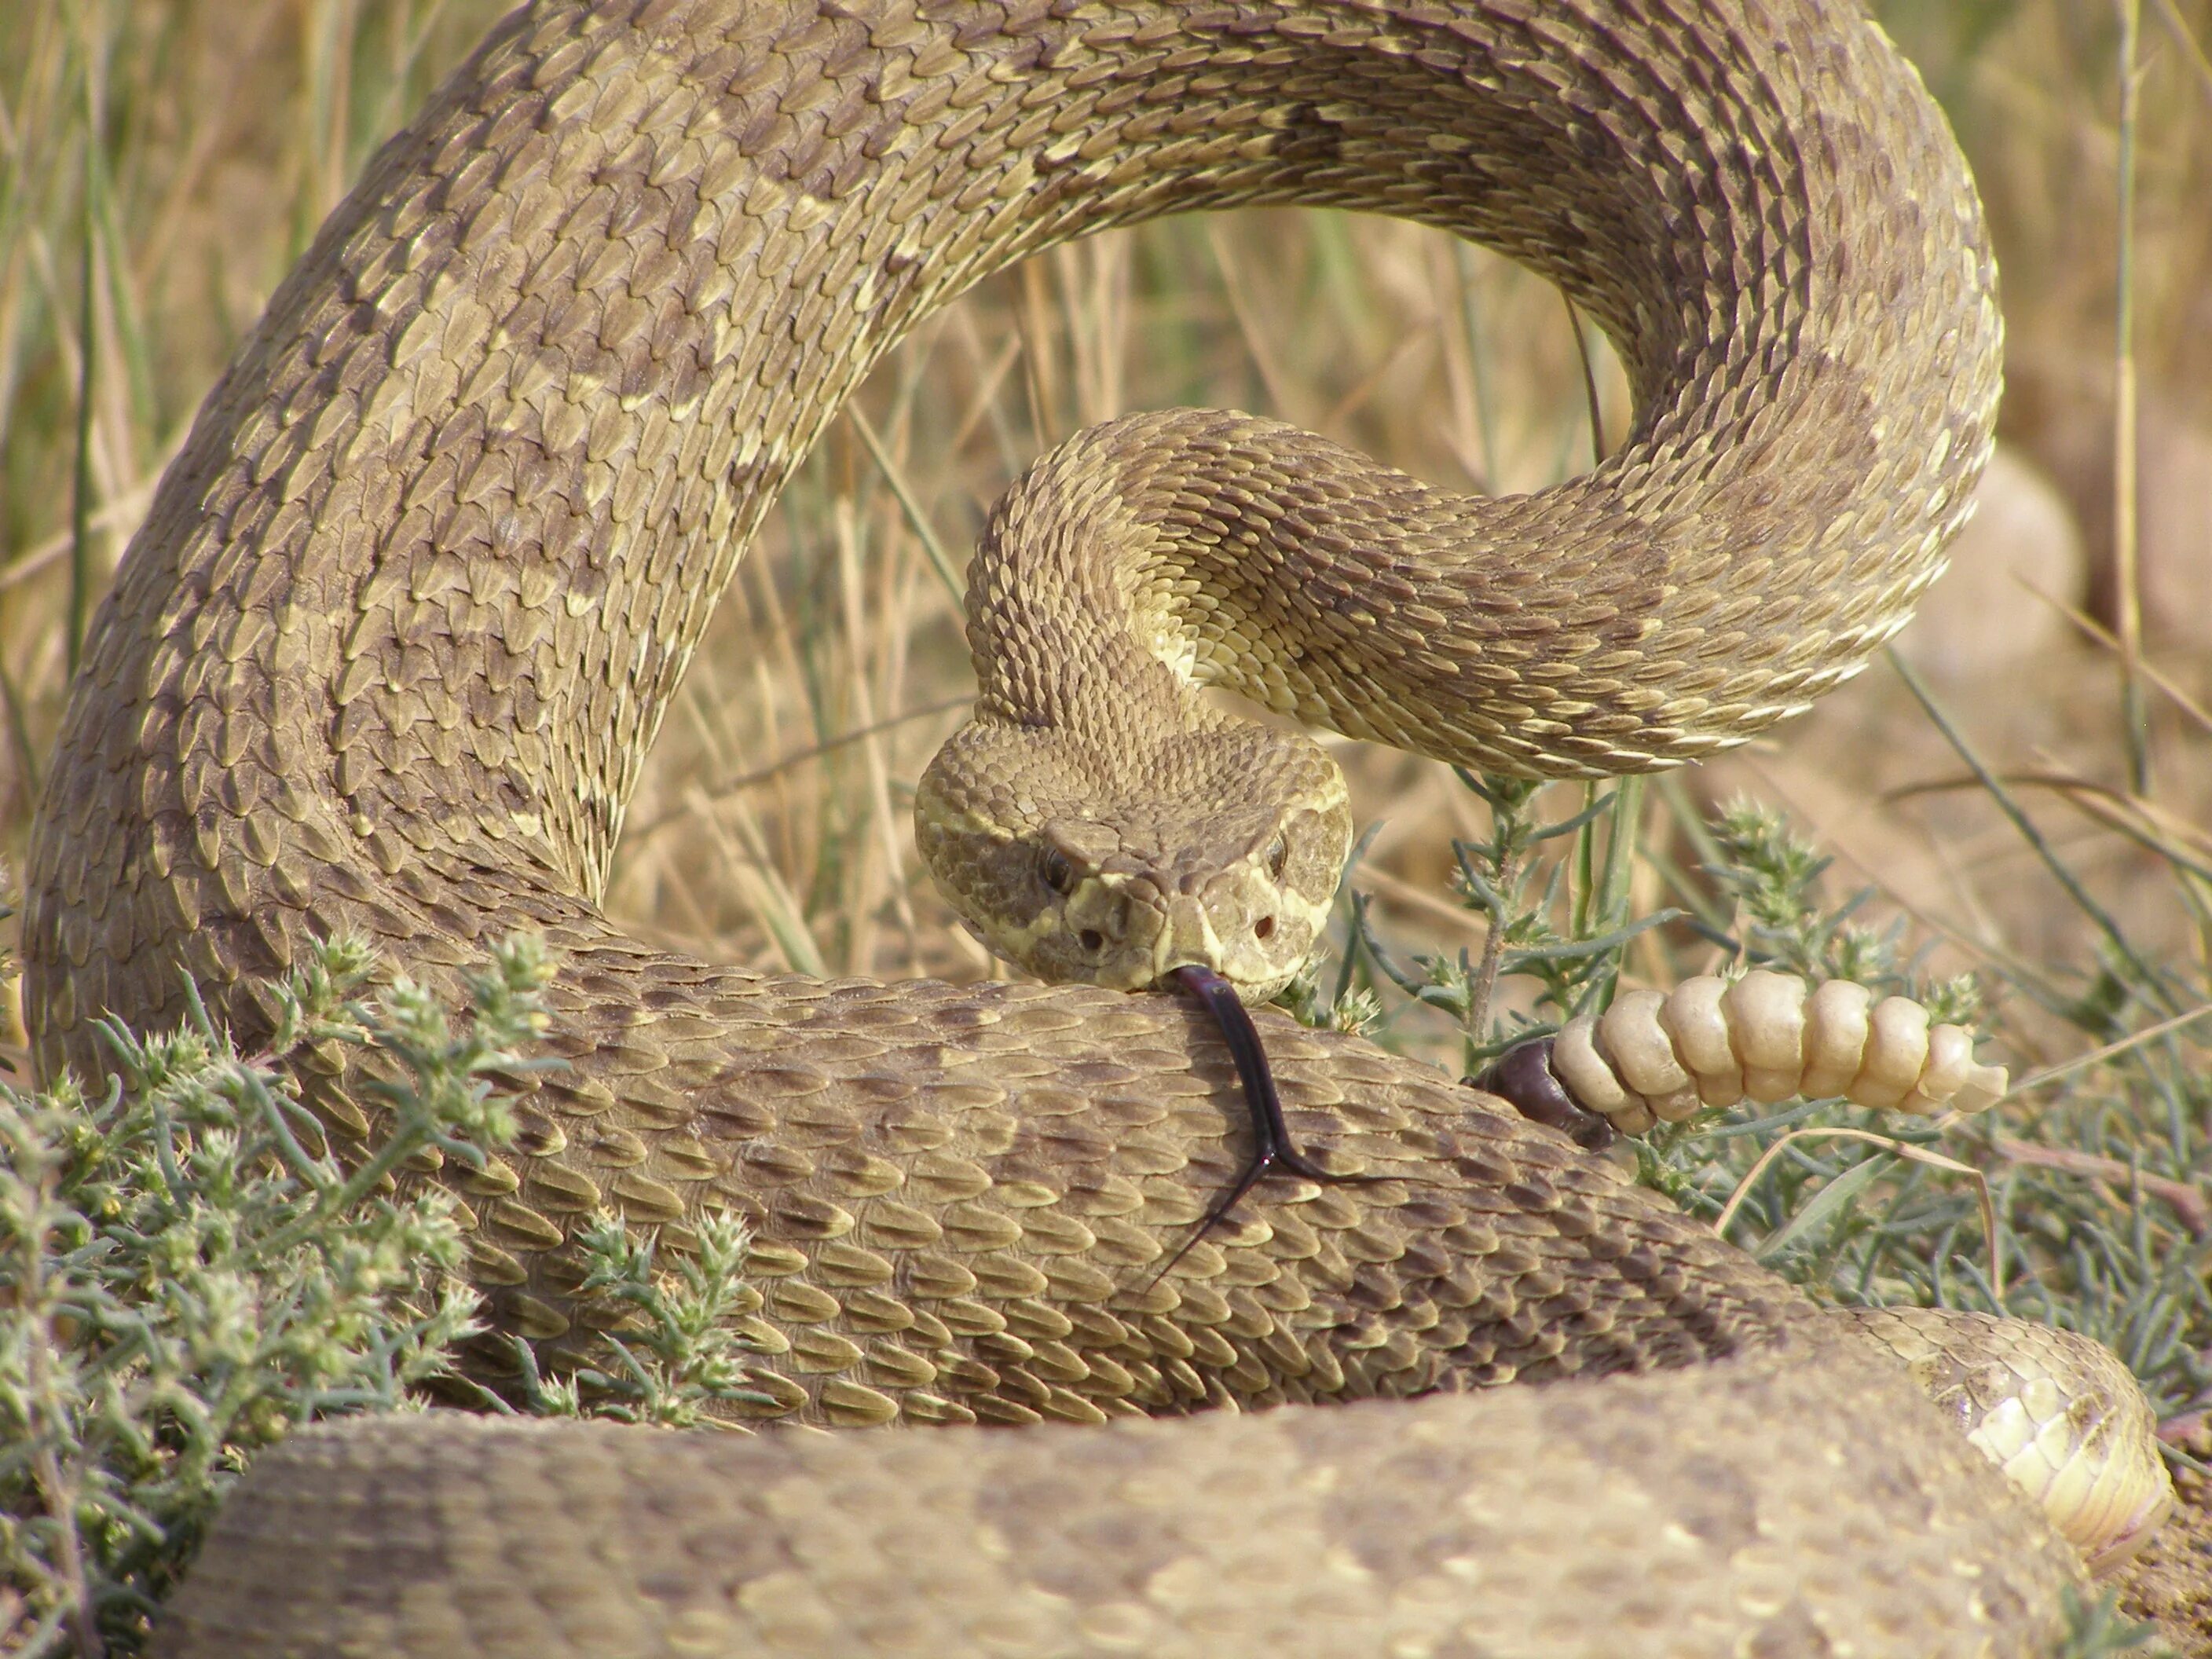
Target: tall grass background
point(2036, 813)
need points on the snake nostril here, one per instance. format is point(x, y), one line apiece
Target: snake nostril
point(1091, 939)
point(1263, 928)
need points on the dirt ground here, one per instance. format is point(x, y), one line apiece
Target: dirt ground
point(2170, 1582)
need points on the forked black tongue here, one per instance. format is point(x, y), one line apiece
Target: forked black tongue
point(1273, 1149)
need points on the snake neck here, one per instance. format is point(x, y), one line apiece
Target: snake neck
point(1151, 557)
point(1068, 628)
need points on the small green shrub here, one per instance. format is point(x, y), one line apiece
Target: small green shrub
point(187, 1274)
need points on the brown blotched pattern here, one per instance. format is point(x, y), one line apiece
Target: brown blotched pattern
point(407, 610)
point(1659, 1522)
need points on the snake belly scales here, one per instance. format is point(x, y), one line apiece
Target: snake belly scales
point(405, 616)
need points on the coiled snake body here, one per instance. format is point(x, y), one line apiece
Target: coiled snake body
point(405, 616)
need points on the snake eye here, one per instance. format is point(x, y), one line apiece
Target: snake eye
point(1279, 858)
point(1055, 870)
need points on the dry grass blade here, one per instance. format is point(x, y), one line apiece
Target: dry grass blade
point(647, 829)
point(744, 857)
point(2127, 553)
point(1902, 1149)
point(2190, 1203)
point(2051, 1074)
point(895, 476)
point(2096, 632)
point(2189, 43)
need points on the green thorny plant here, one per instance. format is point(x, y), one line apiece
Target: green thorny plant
point(2095, 1627)
point(186, 1273)
point(681, 1355)
point(1559, 922)
point(2101, 1227)
point(2101, 1224)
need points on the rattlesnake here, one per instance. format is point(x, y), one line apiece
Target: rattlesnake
point(403, 619)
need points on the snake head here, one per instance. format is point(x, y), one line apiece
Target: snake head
point(1095, 885)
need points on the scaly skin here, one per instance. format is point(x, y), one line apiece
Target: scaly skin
point(405, 613)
